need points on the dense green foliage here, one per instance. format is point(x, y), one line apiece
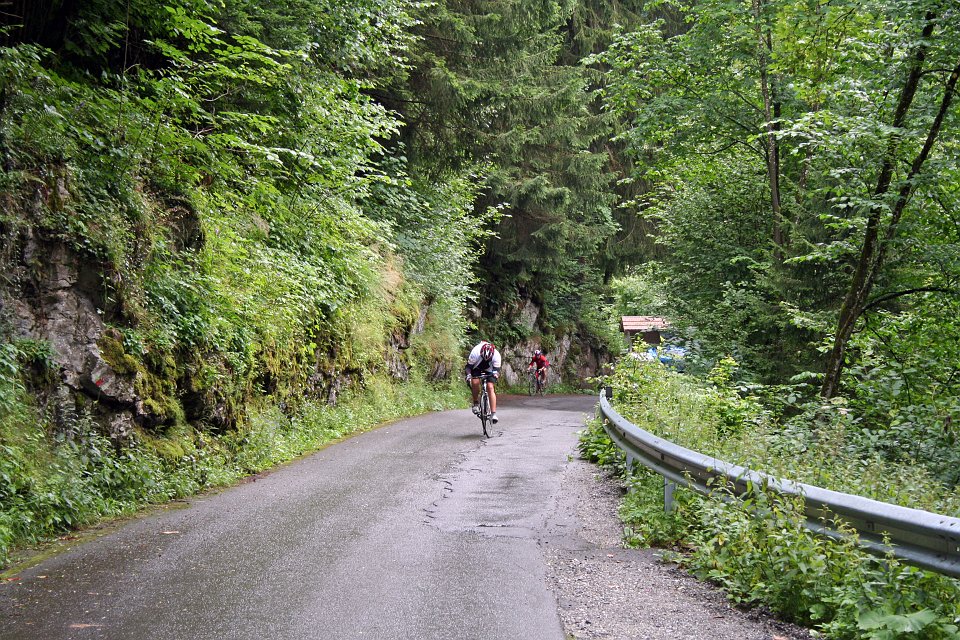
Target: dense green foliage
point(497, 86)
point(722, 418)
point(778, 161)
point(800, 167)
point(758, 549)
point(225, 193)
point(219, 177)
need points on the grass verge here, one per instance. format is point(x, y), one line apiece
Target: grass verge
point(54, 486)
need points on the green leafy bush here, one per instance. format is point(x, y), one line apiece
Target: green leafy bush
point(757, 548)
point(820, 444)
point(597, 447)
point(646, 522)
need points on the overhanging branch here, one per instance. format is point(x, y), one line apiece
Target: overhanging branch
point(893, 295)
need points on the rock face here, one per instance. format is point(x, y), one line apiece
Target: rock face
point(571, 360)
point(54, 301)
point(54, 296)
point(566, 365)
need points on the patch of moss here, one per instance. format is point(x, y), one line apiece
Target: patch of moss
point(212, 392)
point(158, 393)
point(111, 350)
point(203, 377)
point(406, 311)
point(155, 378)
point(406, 304)
point(169, 449)
point(173, 445)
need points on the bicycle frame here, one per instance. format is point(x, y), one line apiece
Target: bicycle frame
point(484, 402)
point(538, 381)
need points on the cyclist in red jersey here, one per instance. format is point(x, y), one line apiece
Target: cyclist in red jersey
point(540, 362)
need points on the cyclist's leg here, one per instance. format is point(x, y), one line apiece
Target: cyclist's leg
point(491, 394)
point(475, 388)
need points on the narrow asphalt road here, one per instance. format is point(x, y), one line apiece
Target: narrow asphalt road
point(419, 530)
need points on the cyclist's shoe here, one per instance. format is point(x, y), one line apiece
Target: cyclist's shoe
point(494, 419)
point(476, 409)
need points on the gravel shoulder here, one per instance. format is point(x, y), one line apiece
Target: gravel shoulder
point(604, 590)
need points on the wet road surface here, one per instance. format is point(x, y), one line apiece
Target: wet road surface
point(420, 529)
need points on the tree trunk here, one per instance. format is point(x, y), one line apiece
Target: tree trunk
point(771, 113)
point(873, 250)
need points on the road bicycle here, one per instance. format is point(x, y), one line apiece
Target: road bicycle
point(484, 410)
point(538, 382)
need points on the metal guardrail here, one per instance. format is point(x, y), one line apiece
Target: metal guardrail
point(920, 538)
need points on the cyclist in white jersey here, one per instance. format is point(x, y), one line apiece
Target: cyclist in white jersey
point(484, 358)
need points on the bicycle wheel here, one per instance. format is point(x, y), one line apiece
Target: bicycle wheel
point(541, 385)
point(532, 389)
point(485, 415)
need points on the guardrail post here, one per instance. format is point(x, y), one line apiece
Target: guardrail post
point(668, 488)
point(608, 394)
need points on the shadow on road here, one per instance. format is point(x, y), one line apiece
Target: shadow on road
point(548, 402)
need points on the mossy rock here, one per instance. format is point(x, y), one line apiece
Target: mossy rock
point(203, 377)
point(111, 350)
point(163, 363)
point(158, 399)
point(406, 312)
point(172, 446)
point(168, 449)
point(155, 379)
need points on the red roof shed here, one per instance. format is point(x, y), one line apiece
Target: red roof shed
point(649, 327)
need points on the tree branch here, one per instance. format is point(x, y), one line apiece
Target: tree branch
point(887, 297)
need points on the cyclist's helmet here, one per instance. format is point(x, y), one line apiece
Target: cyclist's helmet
point(486, 351)
point(537, 352)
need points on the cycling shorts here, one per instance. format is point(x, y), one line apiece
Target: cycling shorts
point(475, 373)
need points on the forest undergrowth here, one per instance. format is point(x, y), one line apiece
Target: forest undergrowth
point(772, 560)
